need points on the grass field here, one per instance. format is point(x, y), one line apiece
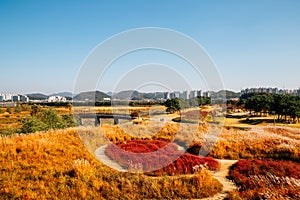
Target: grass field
point(55, 164)
point(59, 164)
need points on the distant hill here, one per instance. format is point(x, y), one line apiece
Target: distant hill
point(127, 94)
point(110, 93)
point(123, 95)
point(91, 96)
point(136, 95)
point(64, 94)
point(37, 96)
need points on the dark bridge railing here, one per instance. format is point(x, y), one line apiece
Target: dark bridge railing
point(97, 117)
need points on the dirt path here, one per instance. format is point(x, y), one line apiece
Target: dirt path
point(221, 176)
point(100, 155)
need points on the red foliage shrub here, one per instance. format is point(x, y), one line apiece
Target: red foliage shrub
point(158, 157)
point(265, 177)
point(262, 167)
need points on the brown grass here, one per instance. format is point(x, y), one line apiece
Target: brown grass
point(55, 165)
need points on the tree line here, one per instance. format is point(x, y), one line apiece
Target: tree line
point(176, 104)
point(284, 106)
point(45, 119)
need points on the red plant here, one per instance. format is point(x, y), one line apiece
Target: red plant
point(158, 157)
point(263, 177)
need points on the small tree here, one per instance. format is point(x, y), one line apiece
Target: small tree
point(8, 109)
point(173, 105)
point(18, 109)
point(52, 120)
point(32, 125)
point(35, 110)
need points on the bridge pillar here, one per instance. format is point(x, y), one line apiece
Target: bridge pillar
point(116, 120)
point(97, 121)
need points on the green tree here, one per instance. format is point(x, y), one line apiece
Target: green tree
point(294, 108)
point(47, 119)
point(35, 110)
point(52, 120)
point(71, 121)
point(280, 105)
point(32, 124)
point(18, 108)
point(173, 105)
point(8, 109)
point(259, 103)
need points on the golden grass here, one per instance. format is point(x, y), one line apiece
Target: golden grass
point(55, 165)
point(258, 142)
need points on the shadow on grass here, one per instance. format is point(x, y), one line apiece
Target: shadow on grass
point(257, 121)
point(236, 116)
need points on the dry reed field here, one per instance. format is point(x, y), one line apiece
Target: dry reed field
point(59, 164)
point(55, 165)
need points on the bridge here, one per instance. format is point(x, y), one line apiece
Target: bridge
point(98, 116)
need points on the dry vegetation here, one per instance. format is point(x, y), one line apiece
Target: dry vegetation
point(54, 165)
point(258, 142)
point(266, 179)
point(157, 157)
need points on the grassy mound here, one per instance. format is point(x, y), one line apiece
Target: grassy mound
point(158, 157)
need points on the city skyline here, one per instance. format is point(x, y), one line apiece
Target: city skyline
point(252, 43)
point(199, 92)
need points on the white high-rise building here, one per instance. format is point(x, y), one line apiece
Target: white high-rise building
point(193, 94)
point(184, 95)
point(24, 98)
point(57, 99)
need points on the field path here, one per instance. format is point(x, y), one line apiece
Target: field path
point(100, 155)
point(221, 176)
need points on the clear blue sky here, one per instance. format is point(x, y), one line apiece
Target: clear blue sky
point(43, 43)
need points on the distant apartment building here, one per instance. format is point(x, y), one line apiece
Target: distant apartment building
point(186, 94)
point(199, 93)
point(193, 94)
point(167, 95)
point(57, 99)
point(270, 91)
point(16, 98)
point(206, 94)
point(24, 98)
point(7, 97)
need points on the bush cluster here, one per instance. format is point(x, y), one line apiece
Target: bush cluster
point(150, 155)
point(41, 120)
point(268, 179)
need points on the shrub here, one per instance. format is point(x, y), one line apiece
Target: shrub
point(35, 110)
point(129, 155)
point(8, 109)
point(47, 119)
point(52, 120)
point(31, 125)
point(267, 179)
point(18, 109)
